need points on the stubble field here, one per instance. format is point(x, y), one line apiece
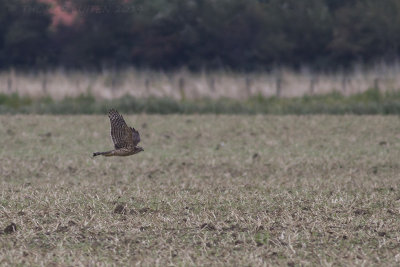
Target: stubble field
point(207, 190)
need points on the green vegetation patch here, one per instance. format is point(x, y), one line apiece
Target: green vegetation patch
point(370, 102)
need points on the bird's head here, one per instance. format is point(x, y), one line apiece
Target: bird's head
point(138, 149)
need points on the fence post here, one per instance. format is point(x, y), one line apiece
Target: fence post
point(211, 83)
point(113, 80)
point(44, 83)
point(182, 88)
point(344, 84)
point(313, 81)
point(248, 86)
point(9, 84)
point(376, 84)
point(279, 86)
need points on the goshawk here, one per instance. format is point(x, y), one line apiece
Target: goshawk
point(126, 139)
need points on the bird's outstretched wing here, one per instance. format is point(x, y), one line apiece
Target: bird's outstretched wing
point(121, 134)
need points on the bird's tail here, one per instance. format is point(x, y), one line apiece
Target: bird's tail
point(101, 153)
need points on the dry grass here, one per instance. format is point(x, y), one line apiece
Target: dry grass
point(208, 190)
point(59, 84)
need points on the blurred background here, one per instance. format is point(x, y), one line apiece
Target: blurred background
point(190, 56)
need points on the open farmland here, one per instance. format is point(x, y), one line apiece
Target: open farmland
point(207, 190)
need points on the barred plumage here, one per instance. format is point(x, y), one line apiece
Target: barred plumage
point(125, 138)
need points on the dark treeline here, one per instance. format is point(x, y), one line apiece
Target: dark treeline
point(168, 34)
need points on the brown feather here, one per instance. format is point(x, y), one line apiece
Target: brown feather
point(121, 134)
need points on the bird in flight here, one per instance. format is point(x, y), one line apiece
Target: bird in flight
point(126, 139)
